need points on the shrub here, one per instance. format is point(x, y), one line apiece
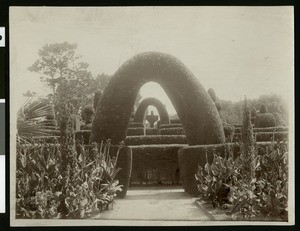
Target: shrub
point(222, 182)
point(155, 139)
point(97, 98)
point(87, 114)
point(212, 94)
point(268, 129)
point(43, 192)
point(229, 132)
point(171, 131)
point(264, 120)
point(83, 135)
point(135, 131)
point(263, 109)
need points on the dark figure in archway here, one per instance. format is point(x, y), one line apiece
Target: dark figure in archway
point(140, 112)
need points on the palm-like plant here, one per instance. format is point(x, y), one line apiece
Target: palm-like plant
point(36, 118)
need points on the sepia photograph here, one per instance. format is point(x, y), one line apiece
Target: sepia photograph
point(151, 116)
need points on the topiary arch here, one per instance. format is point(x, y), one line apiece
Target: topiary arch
point(140, 112)
point(196, 110)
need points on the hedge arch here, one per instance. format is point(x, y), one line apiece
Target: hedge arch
point(196, 110)
point(140, 111)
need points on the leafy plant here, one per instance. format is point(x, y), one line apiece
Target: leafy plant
point(43, 192)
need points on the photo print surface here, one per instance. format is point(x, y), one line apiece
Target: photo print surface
point(151, 116)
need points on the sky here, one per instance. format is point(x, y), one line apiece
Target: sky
point(236, 51)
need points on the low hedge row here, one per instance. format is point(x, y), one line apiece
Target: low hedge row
point(135, 125)
point(264, 136)
point(193, 156)
point(155, 139)
point(170, 126)
point(151, 131)
point(135, 131)
point(171, 131)
point(175, 121)
point(155, 164)
point(268, 129)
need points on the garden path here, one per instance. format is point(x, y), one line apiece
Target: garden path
point(159, 205)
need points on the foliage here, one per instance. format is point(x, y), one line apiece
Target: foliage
point(253, 113)
point(213, 179)
point(43, 192)
point(247, 144)
point(171, 131)
point(64, 73)
point(229, 132)
point(263, 109)
point(212, 94)
point(87, 114)
point(265, 120)
point(97, 97)
point(232, 113)
point(36, 118)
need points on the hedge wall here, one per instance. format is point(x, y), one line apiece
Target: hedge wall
point(265, 136)
point(264, 120)
point(268, 129)
point(268, 136)
point(135, 132)
point(156, 139)
point(155, 164)
point(190, 157)
point(171, 131)
point(135, 125)
point(170, 126)
point(151, 131)
point(175, 121)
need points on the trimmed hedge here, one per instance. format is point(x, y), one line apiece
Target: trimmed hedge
point(171, 131)
point(162, 111)
point(151, 131)
point(155, 139)
point(190, 157)
point(195, 109)
point(135, 132)
point(264, 120)
point(175, 121)
point(135, 125)
point(83, 135)
point(170, 126)
point(265, 136)
point(155, 164)
point(268, 129)
point(268, 136)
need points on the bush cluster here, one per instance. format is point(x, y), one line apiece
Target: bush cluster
point(264, 120)
point(222, 183)
point(43, 192)
point(264, 136)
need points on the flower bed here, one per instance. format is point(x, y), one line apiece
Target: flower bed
point(44, 189)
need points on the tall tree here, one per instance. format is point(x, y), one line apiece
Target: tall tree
point(63, 72)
